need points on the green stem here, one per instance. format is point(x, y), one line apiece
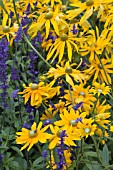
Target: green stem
point(107, 167)
point(48, 111)
point(28, 42)
point(26, 39)
point(97, 151)
point(16, 12)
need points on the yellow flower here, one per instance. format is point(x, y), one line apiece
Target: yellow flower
point(70, 119)
point(89, 6)
point(80, 94)
point(33, 136)
point(100, 119)
point(64, 41)
point(86, 128)
point(44, 21)
point(68, 71)
point(100, 89)
point(96, 70)
point(68, 140)
point(101, 114)
point(36, 92)
point(6, 29)
point(95, 43)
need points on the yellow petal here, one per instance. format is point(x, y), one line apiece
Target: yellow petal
point(47, 25)
point(61, 51)
point(69, 80)
point(53, 143)
point(69, 50)
point(33, 127)
point(86, 15)
point(55, 26)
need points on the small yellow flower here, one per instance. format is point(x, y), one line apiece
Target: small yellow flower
point(100, 89)
point(95, 69)
point(102, 113)
point(44, 21)
point(6, 30)
point(36, 92)
point(70, 119)
point(86, 128)
point(68, 140)
point(68, 71)
point(65, 40)
point(95, 43)
point(80, 94)
point(33, 136)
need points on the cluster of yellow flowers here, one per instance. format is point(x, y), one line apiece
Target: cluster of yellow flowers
point(77, 39)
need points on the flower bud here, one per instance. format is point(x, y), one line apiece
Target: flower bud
point(87, 130)
point(89, 2)
point(34, 86)
point(82, 93)
point(59, 133)
point(64, 37)
point(49, 15)
point(32, 133)
point(68, 70)
point(6, 29)
point(72, 122)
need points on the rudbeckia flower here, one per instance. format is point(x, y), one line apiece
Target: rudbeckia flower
point(96, 69)
point(7, 30)
point(33, 136)
point(89, 7)
point(68, 71)
point(101, 114)
point(100, 89)
point(45, 20)
point(95, 43)
point(86, 128)
point(65, 40)
point(80, 94)
point(36, 92)
point(70, 119)
point(68, 140)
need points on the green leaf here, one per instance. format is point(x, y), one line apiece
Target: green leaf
point(89, 166)
point(37, 161)
point(105, 155)
point(14, 165)
point(96, 165)
point(17, 150)
point(92, 154)
point(55, 155)
point(22, 163)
